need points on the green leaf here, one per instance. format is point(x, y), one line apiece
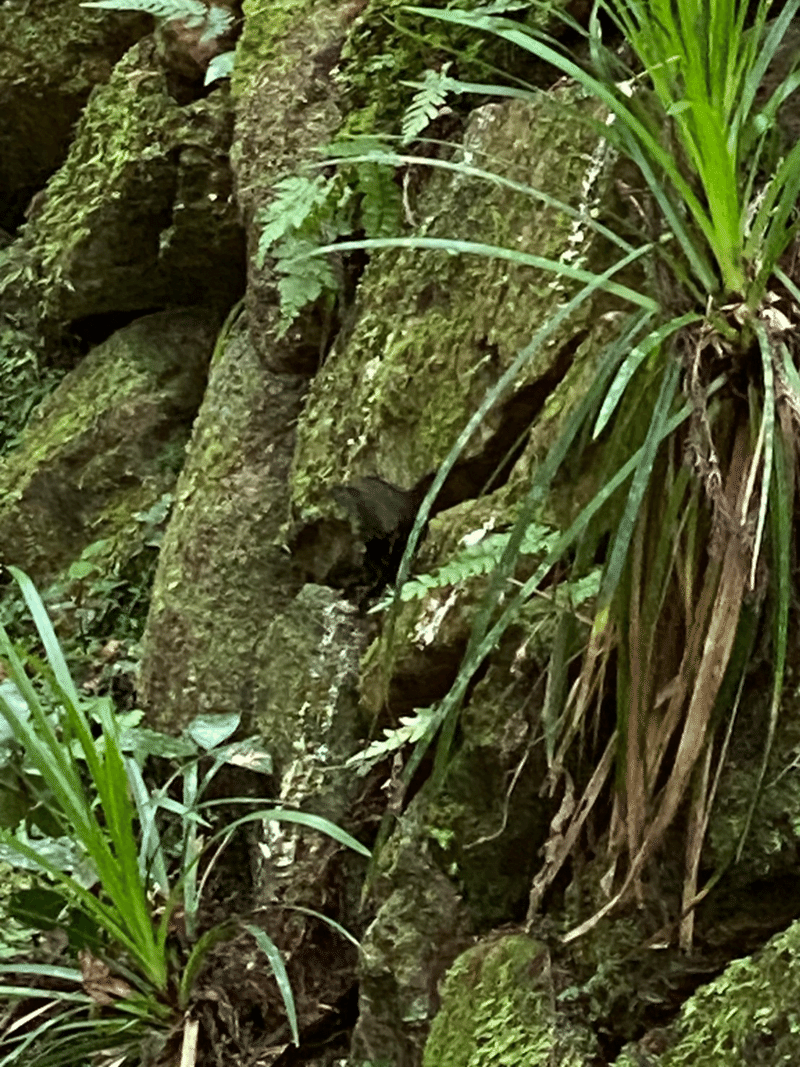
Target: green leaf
point(618, 553)
point(268, 946)
point(635, 358)
point(326, 919)
point(313, 822)
point(221, 66)
point(295, 200)
point(426, 103)
point(208, 731)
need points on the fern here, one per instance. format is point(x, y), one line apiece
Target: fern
point(221, 66)
point(477, 558)
point(427, 101)
point(306, 213)
point(296, 201)
point(381, 207)
point(412, 728)
point(303, 280)
point(215, 20)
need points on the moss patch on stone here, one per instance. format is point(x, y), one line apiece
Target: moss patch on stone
point(497, 1011)
point(747, 1016)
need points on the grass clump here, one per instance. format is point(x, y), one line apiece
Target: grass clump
point(694, 407)
point(119, 866)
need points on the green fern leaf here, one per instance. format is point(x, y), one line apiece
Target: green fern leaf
point(304, 280)
point(221, 66)
point(427, 102)
point(412, 728)
point(475, 559)
point(381, 205)
point(296, 199)
point(217, 20)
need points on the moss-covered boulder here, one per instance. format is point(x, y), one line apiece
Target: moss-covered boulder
point(420, 926)
point(106, 444)
point(748, 1015)
point(224, 573)
point(434, 333)
point(287, 109)
point(141, 214)
point(499, 1009)
point(52, 53)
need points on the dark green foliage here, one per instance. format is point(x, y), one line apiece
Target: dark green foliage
point(24, 382)
point(427, 102)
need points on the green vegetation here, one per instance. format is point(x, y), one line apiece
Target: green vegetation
point(701, 379)
point(213, 20)
point(105, 865)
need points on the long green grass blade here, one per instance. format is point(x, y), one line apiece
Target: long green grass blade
point(541, 336)
point(326, 919)
point(268, 946)
point(45, 630)
point(618, 552)
point(395, 159)
point(633, 362)
point(303, 818)
point(767, 432)
point(781, 514)
point(222, 932)
point(446, 720)
point(476, 248)
point(151, 853)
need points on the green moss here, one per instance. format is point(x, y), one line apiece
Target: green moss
point(497, 1011)
point(748, 1015)
point(120, 127)
point(390, 46)
point(436, 330)
point(106, 443)
point(269, 25)
point(48, 35)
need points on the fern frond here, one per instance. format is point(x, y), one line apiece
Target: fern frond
point(380, 211)
point(381, 203)
point(296, 199)
point(216, 20)
point(477, 558)
point(412, 728)
point(303, 280)
point(221, 66)
point(427, 102)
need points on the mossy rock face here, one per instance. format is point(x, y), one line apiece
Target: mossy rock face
point(420, 926)
point(457, 862)
point(746, 1016)
point(760, 892)
point(287, 108)
point(224, 574)
point(306, 697)
point(52, 53)
point(109, 441)
point(141, 214)
point(499, 1010)
point(434, 332)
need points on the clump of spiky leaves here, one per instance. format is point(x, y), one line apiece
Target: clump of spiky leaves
point(105, 865)
point(687, 571)
point(691, 576)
